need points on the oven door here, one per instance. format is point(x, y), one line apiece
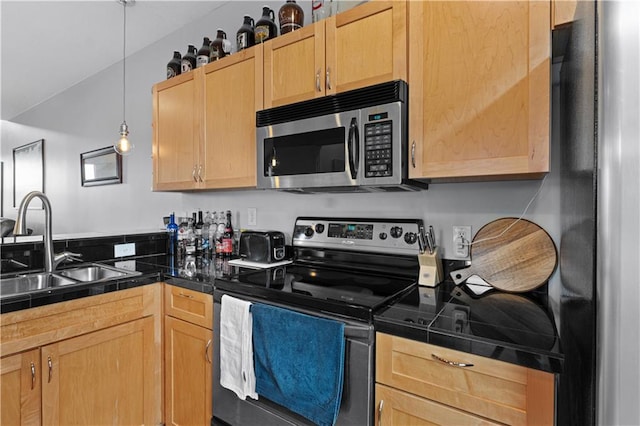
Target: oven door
point(321, 151)
point(356, 407)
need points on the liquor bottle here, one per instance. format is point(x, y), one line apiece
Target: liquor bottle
point(219, 233)
point(204, 53)
point(290, 16)
point(198, 233)
point(172, 229)
point(174, 67)
point(220, 47)
point(188, 62)
point(182, 243)
point(227, 237)
point(213, 227)
point(245, 37)
point(190, 236)
point(266, 28)
point(206, 247)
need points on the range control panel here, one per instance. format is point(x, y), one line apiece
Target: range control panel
point(390, 236)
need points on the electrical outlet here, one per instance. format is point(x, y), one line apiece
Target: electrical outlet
point(461, 241)
point(252, 216)
point(122, 250)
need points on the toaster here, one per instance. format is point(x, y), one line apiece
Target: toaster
point(262, 246)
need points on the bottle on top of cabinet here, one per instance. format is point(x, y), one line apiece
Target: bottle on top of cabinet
point(220, 47)
point(266, 28)
point(245, 37)
point(174, 67)
point(204, 53)
point(188, 62)
point(290, 16)
point(320, 9)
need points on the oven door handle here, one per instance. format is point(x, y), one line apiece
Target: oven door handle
point(354, 148)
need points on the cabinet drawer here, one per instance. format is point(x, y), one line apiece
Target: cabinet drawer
point(395, 407)
point(493, 389)
point(189, 305)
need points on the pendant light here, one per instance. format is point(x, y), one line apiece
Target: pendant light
point(124, 146)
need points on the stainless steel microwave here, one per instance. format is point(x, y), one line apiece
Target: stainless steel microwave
point(351, 141)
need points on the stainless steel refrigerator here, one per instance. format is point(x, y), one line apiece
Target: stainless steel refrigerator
point(599, 141)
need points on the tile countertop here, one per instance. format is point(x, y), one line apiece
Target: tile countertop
point(515, 328)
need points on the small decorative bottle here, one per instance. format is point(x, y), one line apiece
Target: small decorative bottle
point(291, 17)
point(172, 229)
point(266, 28)
point(173, 67)
point(245, 37)
point(204, 53)
point(189, 59)
point(220, 47)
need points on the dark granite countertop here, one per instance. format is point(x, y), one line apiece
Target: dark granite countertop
point(516, 328)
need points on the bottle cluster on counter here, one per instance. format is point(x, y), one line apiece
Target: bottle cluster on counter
point(290, 18)
point(208, 236)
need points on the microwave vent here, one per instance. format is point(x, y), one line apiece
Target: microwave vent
point(393, 91)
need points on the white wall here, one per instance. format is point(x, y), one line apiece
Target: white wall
point(87, 117)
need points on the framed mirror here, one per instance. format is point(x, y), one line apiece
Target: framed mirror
point(101, 167)
point(28, 172)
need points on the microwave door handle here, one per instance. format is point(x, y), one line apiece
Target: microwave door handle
point(354, 147)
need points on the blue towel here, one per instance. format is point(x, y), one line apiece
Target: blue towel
point(299, 361)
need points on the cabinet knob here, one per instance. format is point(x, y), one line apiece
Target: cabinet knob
point(193, 174)
point(200, 173)
point(50, 364)
point(380, 412)
point(328, 79)
point(206, 352)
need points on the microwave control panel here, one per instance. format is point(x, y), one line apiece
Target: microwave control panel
point(377, 148)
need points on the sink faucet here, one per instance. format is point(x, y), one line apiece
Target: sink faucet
point(20, 227)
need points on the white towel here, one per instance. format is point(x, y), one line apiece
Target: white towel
point(236, 348)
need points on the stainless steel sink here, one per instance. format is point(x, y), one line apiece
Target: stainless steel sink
point(26, 283)
point(96, 272)
point(31, 282)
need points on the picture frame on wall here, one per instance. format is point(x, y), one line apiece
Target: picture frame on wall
point(101, 167)
point(28, 172)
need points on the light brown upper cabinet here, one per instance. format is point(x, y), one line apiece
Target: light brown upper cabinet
point(204, 125)
point(177, 115)
point(563, 12)
point(363, 46)
point(479, 89)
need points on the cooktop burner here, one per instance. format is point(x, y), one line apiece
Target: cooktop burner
point(349, 267)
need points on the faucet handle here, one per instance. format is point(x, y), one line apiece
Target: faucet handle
point(66, 255)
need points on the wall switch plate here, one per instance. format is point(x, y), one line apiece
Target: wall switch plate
point(122, 250)
point(461, 241)
point(252, 216)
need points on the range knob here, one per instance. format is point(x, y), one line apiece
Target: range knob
point(308, 231)
point(396, 231)
point(319, 228)
point(383, 235)
point(410, 237)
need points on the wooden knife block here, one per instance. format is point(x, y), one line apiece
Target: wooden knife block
point(430, 268)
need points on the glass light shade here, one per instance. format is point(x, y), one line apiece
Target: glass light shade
point(123, 146)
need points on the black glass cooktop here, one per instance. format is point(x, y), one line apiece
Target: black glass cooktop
point(349, 293)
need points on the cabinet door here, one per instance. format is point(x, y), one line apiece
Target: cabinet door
point(479, 89)
point(104, 377)
point(233, 94)
point(20, 388)
point(294, 66)
point(188, 377)
point(366, 45)
point(177, 110)
point(396, 408)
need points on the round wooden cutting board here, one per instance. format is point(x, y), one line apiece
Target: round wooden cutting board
point(519, 259)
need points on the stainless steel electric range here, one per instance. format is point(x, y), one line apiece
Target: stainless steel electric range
point(343, 269)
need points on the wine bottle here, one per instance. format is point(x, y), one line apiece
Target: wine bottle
point(227, 237)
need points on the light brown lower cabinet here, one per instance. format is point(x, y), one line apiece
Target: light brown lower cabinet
point(187, 358)
point(95, 360)
point(422, 384)
point(20, 388)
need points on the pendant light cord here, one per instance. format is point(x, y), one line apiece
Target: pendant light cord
point(124, 60)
